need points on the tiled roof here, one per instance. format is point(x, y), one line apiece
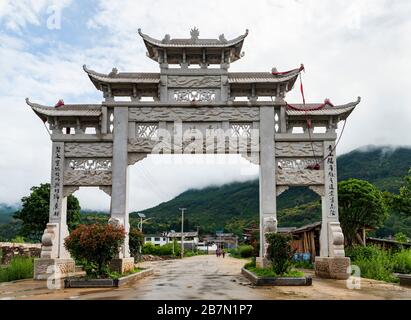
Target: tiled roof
point(327, 110)
point(261, 77)
point(201, 43)
point(123, 77)
point(82, 110)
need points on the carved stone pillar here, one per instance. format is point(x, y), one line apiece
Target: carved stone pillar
point(119, 193)
point(332, 262)
point(53, 252)
point(268, 209)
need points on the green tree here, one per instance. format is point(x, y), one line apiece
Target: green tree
point(34, 213)
point(361, 205)
point(402, 202)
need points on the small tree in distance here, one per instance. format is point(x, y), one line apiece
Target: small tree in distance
point(34, 213)
point(96, 245)
point(360, 205)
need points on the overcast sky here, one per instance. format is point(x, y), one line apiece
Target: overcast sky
point(349, 49)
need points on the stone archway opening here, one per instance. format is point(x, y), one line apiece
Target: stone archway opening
point(300, 214)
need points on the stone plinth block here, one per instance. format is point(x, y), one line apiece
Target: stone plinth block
point(122, 265)
point(405, 280)
point(332, 267)
point(45, 268)
point(262, 262)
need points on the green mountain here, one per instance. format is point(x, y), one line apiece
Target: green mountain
point(234, 206)
point(6, 213)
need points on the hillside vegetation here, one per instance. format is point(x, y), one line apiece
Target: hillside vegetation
point(234, 206)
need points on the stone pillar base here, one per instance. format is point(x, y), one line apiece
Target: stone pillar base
point(122, 265)
point(262, 262)
point(45, 268)
point(332, 267)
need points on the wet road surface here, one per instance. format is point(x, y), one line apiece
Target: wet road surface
point(205, 277)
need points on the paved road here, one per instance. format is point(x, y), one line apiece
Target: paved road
point(206, 277)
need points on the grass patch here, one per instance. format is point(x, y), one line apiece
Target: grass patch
point(303, 264)
point(19, 268)
point(117, 275)
point(379, 264)
point(402, 261)
point(268, 272)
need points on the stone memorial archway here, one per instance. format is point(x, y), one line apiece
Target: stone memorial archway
point(183, 109)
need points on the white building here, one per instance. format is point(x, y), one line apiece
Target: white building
point(206, 247)
point(156, 239)
point(190, 238)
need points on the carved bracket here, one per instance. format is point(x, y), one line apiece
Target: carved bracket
point(106, 189)
point(135, 157)
point(318, 190)
point(68, 190)
point(281, 189)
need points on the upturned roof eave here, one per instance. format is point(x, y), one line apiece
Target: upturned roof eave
point(97, 78)
point(342, 111)
point(84, 110)
point(160, 44)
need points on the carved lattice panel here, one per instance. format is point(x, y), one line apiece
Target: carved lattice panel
point(241, 130)
point(147, 130)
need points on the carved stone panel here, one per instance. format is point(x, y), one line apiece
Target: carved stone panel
point(194, 81)
point(87, 164)
point(87, 178)
point(141, 145)
point(298, 149)
point(290, 177)
point(88, 149)
point(201, 114)
point(295, 163)
point(188, 95)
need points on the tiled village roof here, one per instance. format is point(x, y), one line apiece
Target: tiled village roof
point(185, 234)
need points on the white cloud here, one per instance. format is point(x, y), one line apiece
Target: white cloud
point(349, 48)
point(17, 15)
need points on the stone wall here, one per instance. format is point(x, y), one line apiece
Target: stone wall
point(10, 250)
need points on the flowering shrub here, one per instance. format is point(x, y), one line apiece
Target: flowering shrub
point(280, 252)
point(96, 245)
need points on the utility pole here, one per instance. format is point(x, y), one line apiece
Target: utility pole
point(182, 231)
